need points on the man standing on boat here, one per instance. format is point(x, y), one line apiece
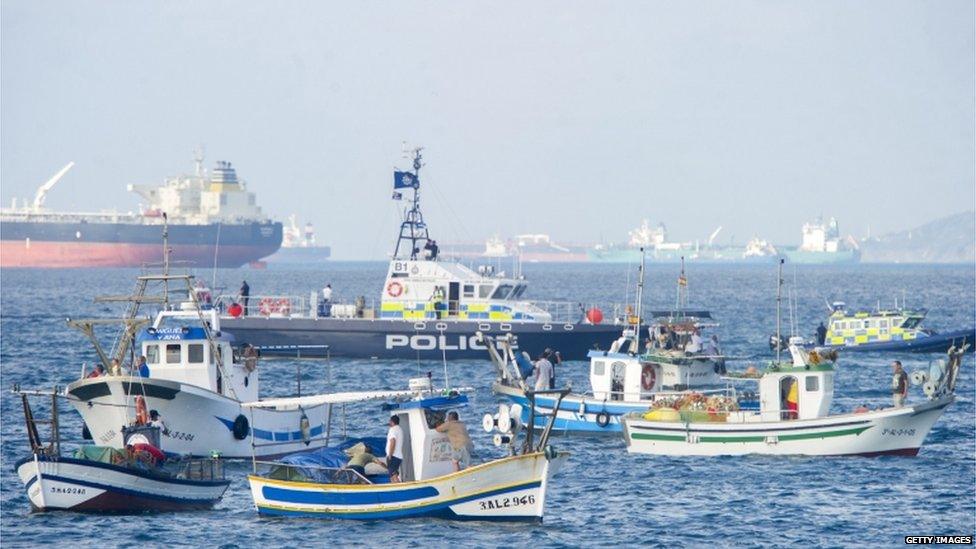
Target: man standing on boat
point(461, 445)
point(543, 372)
point(899, 384)
point(244, 296)
point(821, 333)
point(326, 308)
point(394, 449)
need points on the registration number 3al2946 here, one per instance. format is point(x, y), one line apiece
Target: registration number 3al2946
point(502, 503)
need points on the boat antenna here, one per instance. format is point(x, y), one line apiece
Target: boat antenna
point(681, 298)
point(640, 301)
point(165, 261)
point(779, 301)
point(413, 227)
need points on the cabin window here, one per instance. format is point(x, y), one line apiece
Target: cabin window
point(812, 383)
point(911, 322)
point(173, 353)
point(196, 353)
point(599, 367)
point(469, 290)
point(870, 324)
point(152, 354)
point(502, 291)
point(519, 290)
point(883, 323)
point(484, 291)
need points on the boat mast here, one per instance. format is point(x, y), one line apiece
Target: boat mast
point(681, 298)
point(413, 228)
point(640, 301)
point(165, 261)
point(779, 300)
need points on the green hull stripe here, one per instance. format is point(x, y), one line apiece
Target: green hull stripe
point(752, 438)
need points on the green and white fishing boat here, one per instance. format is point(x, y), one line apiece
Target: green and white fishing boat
point(790, 414)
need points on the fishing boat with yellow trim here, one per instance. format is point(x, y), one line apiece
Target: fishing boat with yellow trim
point(511, 488)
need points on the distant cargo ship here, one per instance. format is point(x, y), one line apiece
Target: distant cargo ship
point(822, 244)
point(212, 220)
point(529, 248)
point(658, 249)
point(298, 246)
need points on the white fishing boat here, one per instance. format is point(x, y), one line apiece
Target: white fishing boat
point(791, 414)
point(104, 479)
point(623, 379)
point(508, 488)
point(810, 430)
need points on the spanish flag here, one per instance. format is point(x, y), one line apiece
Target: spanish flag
point(682, 280)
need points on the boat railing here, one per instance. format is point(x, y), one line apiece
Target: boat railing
point(278, 470)
point(295, 306)
point(211, 468)
point(575, 312)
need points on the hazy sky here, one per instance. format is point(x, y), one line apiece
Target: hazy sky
point(576, 119)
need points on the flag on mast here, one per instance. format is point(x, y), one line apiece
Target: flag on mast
point(405, 180)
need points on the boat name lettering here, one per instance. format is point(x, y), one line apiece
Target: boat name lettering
point(400, 266)
point(423, 342)
point(502, 503)
point(179, 435)
point(109, 435)
point(68, 490)
point(898, 432)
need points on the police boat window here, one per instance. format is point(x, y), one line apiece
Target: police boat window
point(469, 290)
point(519, 290)
point(502, 291)
point(911, 322)
point(152, 354)
point(812, 383)
point(196, 353)
point(484, 291)
point(173, 353)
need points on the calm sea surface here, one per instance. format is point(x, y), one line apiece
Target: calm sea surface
point(604, 496)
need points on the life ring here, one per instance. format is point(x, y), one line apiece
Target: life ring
point(394, 289)
point(267, 306)
point(284, 306)
point(603, 419)
point(142, 415)
point(648, 377)
point(241, 427)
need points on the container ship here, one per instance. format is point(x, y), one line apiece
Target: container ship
point(658, 249)
point(211, 217)
point(822, 244)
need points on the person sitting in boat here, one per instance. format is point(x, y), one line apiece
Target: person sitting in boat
point(361, 455)
point(394, 448)
point(142, 367)
point(461, 444)
point(543, 372)
point(98, 371)
point(899, 384)
point(156, 420)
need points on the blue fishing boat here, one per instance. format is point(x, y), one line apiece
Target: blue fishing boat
point(432, 484)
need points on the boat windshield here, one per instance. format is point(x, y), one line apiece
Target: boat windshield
point(502, 291)
point(911, 322)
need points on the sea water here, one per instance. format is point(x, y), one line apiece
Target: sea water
point(603, 496)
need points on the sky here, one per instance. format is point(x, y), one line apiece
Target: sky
point(573, 118)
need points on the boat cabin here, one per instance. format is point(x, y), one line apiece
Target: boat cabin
point(440, 290)
point(854, 328)
point(675, 331)
point(178, 348)
point(807, 381)
point(622, 376)
point(427, 453)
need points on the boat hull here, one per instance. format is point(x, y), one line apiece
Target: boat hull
point(897, 431)
point(431, 340)
point(82, 485)
point(508, 489)
point(936, 343)
point(198, 421)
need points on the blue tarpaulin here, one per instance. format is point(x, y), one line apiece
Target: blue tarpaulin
point(309, 465)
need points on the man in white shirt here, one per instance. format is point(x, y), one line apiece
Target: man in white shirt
point(695, 345)
point(325, 308)
point(543, 373)
point(394, 449)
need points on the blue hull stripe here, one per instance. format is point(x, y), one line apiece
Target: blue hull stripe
point(371, 497)
point(276, 436)
point(126, 491)
point(432, 509)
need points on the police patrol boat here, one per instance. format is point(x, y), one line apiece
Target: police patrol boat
point(428, 307)
point(104, 479)
point(790, 414)
point(896, 330)
point(622, 379)
point(511, 488)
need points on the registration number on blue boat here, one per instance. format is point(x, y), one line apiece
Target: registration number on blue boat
point(501, 503)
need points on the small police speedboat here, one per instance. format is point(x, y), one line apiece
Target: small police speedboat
point(888, 330)
point(776, 425)
point(104, 479)
point(511, 488)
